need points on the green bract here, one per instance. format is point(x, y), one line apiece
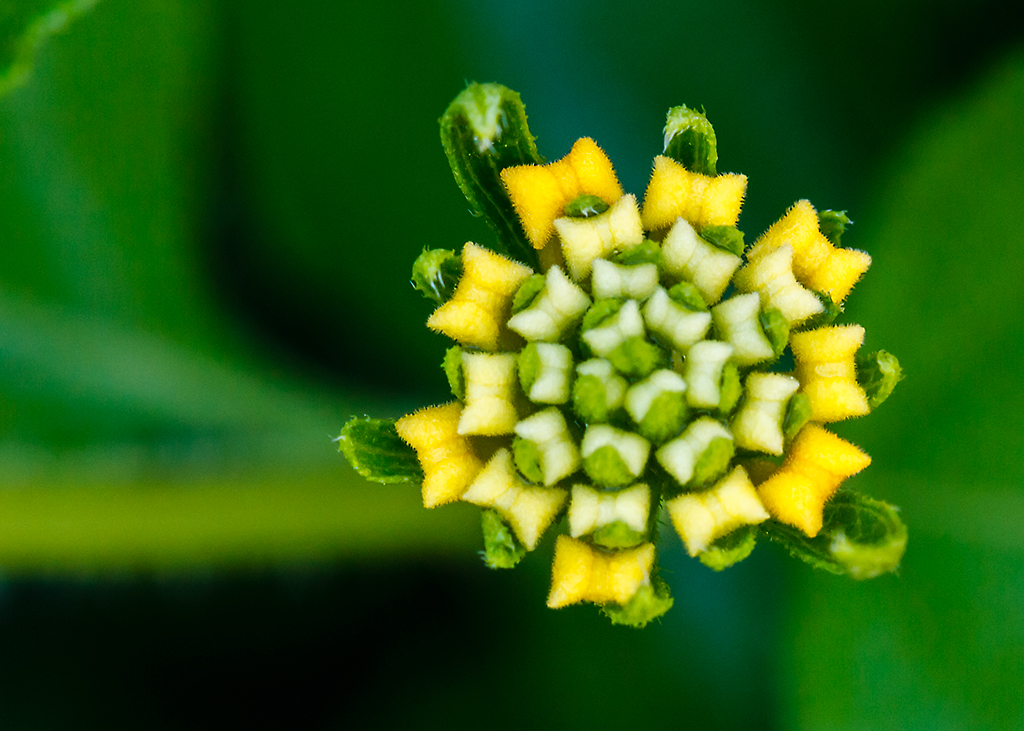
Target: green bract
point(621, 362)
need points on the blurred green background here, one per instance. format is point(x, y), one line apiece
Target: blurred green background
point(208, 211)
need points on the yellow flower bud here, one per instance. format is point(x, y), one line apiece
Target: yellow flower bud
point(816, 262)
point(582, 573)
point(675, 192)
point(816, 465)
point(529, 509)
point(448, 461)
point(827, 374)
point(700, 518)
point(541, 192)
point(476, 313)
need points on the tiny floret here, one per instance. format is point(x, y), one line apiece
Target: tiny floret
point(817, 263)
point(447, 458)
point(827, 373)
point(702, 200)
point(541, 192)
point(477, 312)
point(584, 574)
point(528, 508)
point(816, 465)
point(701, 518)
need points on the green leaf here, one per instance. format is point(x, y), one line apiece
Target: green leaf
point(483, 131)
point(638, 357)
point(833, 225)
point(527, 457)
point(436, 273)
point(375, 451)
point(730, 549)
point(878, 373)
point(528, 292)
point(599, 312)
point(665, 418)
point(24, 26)
point(731, 389)
point(528, 364)
point(592, 398)
point(861, 537)
point(690, 140)
point(712, 463)
point(501, 549)
point(649, 603)
point(607, 467)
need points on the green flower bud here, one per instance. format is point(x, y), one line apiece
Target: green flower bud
point(688, 256)
point(545, 372)
point(553, 447)
point(548, 313)
point(598, 392)
point(737, 322)
point(675, 323)
point(657, 405)
point(628, 282)
point(616, 519)
point(613, 457)
point(705, 363)
point(435, 273)
point(585, 206)
point(501, 549)
point(760, 421)
point(699, 455)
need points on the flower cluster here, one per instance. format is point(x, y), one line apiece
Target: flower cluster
point(615, 362)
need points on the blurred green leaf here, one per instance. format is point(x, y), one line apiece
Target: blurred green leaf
point(24, 25)
point(938, 646)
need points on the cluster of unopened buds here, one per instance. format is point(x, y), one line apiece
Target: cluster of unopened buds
point(616, 363)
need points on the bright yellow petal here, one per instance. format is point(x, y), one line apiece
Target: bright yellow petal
point(447, 459)
point(675, 192)
point(476, 313)
point(827, 374)
point(817, 464)
point(540, 193)
point(816, 262)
